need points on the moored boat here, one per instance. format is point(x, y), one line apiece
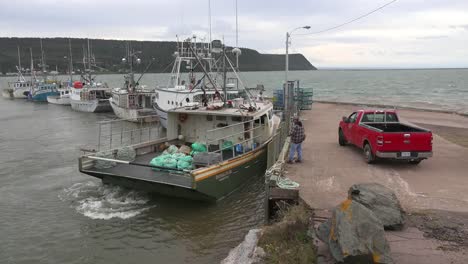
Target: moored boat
point(184, 88)
point(229, 140)
point(88, 95)
point(133, 102)
point(63, 98)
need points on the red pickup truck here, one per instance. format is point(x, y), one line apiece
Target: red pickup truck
point(381, 135)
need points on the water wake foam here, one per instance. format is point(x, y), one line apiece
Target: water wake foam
point(97, 201)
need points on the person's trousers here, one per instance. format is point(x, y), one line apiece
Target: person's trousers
point(293, 148)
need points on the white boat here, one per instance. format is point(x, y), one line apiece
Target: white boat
point(91, 97)
point(21, 87)
point(134, 106)
point(184, 88)
point(88, 95)
point(62, 99)
point(133, 102)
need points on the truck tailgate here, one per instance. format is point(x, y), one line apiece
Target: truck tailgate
point(406, 141)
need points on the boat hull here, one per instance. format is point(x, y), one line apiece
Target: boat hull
point(134, 115)
point(21, 93)
point(209, 184)
point(58, 100)
point(42, 97)
point(92, 106)
point(7, 93)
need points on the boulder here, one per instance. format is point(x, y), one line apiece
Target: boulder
point(355, 235)
point(381, 201)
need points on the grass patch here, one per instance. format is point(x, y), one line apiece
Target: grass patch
point(286, 241)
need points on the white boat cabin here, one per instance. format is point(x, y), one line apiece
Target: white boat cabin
point(223, 128)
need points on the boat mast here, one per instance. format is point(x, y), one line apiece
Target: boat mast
point(70, 62)
point(33, 75)
point(89, 63)
point(42, 59)
point(19, 59)
point(237, 40)
point(224, 75)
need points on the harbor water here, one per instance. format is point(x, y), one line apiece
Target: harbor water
point(50, 213)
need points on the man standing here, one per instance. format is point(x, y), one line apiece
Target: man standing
point(297, 137)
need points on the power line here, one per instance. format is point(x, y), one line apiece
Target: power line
point(351, 21)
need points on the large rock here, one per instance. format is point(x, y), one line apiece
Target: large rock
point(381, 201)
point(355, 235)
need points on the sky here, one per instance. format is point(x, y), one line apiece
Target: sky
point(405, 34)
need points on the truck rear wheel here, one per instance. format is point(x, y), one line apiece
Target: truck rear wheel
point(341, 138)
point(370, 158)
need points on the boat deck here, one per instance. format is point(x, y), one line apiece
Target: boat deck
point(148, 174)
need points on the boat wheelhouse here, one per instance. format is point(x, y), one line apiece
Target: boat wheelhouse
point(196, 72)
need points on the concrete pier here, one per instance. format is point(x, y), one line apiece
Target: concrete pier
point(328, 170)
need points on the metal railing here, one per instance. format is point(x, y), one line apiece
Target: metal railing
point(113, 134)
point(247, 144)
point(276, 144)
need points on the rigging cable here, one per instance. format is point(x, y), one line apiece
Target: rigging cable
point(349, 22)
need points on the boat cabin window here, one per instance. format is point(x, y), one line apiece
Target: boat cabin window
point(263, 119)
point(221, 118)
point(209, 118)
point(66, 92)
point(236, 118)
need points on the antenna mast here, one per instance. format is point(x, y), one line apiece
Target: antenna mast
point(209, 18)
point(19, 59)
point(70, 61)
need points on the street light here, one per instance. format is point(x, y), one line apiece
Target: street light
point(286, 91)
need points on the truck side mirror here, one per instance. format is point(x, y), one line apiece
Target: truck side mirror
point(345, 119)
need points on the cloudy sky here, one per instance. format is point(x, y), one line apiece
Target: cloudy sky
point(407, 33)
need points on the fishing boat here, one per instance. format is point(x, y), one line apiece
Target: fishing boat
point(63, 98)
point(234, 135)
point(185, 85)
point(88, 95)
point(42, 85)
point(21, 87)
point(133, 102)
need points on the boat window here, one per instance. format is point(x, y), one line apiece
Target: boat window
point(66, 92)
point(168, 102)
point(236, 118)
point(263, 119)
point(222, 118)
point(209, 118)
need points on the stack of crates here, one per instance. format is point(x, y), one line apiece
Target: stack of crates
point(303, 98)
point(278, 99)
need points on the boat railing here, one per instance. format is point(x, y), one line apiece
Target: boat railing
point(275, 146)
point(237, 147)
point(114, 134)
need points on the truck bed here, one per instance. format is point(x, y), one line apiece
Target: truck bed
point(394, 127)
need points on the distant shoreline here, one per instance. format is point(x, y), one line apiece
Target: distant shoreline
point(387, 69)
point(393, 107)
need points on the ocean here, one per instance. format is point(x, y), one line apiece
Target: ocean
point(50, 213)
